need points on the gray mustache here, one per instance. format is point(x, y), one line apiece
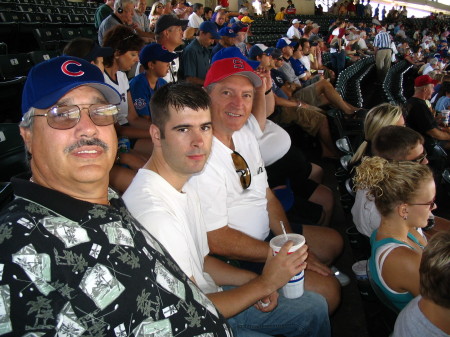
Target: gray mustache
point(87, 142)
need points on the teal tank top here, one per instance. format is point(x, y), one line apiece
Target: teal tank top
point(399, 300)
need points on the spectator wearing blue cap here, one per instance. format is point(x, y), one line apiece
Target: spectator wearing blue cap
point(156, 60)
point(228, 39)
point(70, 237)
point(196, 56)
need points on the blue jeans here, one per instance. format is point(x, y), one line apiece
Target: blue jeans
point(338, 61)
point(303, 316)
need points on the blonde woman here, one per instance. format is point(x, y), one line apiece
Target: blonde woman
point(404, 194)
point(155, 13)
point(378, 117)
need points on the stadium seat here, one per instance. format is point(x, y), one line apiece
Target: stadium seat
point(12, 151)
point(39, 56)
point(14, 65)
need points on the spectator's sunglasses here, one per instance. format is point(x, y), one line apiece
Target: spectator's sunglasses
point(242, 170)
point(63, 117)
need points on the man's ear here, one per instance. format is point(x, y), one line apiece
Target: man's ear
point(27, 136)
point(155, 133)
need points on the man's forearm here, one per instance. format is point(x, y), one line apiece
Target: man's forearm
point(234, 244)
point(225, 274)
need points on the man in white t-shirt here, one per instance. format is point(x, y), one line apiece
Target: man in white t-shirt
point(169, 209)
point(239, 209)
point(195, 19)
point(293, 32)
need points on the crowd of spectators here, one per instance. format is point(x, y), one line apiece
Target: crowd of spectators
point(187, 79)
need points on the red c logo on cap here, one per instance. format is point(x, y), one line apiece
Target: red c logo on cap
point(66, 71)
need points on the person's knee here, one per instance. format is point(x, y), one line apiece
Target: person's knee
point(316, 173)
point(326, 286)
point(333, 244)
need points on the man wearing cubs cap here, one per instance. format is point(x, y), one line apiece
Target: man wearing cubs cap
point(196, 56)
point(71, 252)
point(231, 84)
point(155, 60)
point(420, 116)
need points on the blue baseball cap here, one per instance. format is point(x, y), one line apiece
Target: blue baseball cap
point(209, 27)
point(227, 31)
point(50, 80)
point(257, 50)
point(284, 42)
point(156, 52)
point(231, 52)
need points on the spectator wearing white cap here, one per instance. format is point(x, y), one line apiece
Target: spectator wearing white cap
point(293, 33)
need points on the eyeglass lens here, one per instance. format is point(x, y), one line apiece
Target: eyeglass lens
point(66, 117)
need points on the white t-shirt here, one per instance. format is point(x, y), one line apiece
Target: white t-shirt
point(335, 33)
point(365, 214)
point(223, 200)
point(293, 32)
point(122, 86)
point(175, 219)
point(195, 20)
point(274, 142)
point(306, 62)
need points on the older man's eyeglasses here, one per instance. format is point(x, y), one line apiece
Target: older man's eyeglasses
point(242, 170)
point(63, 117)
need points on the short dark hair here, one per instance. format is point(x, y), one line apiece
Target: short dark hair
point(282, 9)
point(122, 39)
point(197, 6)
point(435, 270)
point(302, 41)
point(176, 96)
point(394, 142)
point(79, 47)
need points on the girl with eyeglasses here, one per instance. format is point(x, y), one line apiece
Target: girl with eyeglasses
point(404, 194)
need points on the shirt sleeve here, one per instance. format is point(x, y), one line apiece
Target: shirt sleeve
point(141, 99)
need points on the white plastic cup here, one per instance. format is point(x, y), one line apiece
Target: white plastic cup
point(295, 287)
point(445, 115)
point(360, 270)
point(320, 72)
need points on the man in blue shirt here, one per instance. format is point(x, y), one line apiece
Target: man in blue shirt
point(196, 56)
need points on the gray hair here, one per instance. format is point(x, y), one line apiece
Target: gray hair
point(121, 3)
point(27, 119)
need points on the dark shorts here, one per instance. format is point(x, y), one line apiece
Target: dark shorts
point(293, 169)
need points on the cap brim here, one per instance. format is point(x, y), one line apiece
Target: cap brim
point(215, 35)
point(111, 95)
point(168, 57)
